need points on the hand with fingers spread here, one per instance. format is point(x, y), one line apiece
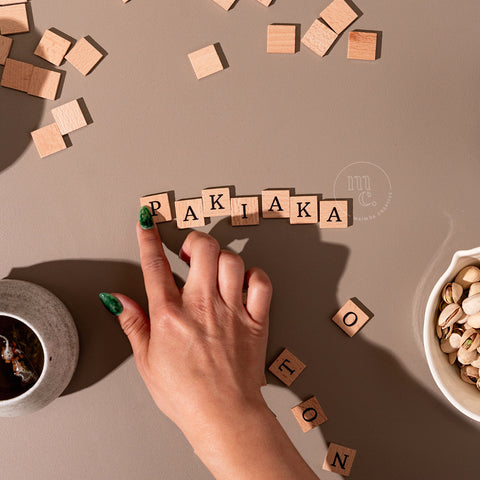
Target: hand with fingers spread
point(201, 352)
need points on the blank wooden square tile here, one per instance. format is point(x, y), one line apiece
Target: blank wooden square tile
point(362, 45)
point(245, 211)
point(159, 206)
point(339, 15)
point(69, 117)
point(11, 2)
point(5, 46)
point(44, 83)
point(48, 140)
point(83, 56)
point(190, 213)
point(205, 61)
point(281, 38)
point(287, 367)
point(352, 317)
point(339, 459)
point(216, 202)
point(14, 19)
point(309, 414)
point(52, 47)
point(276, 203)
point(266, 2)
point(333, 213)
point(303, 209)
point(225, 4)
point(319, 38)
point(16, 75)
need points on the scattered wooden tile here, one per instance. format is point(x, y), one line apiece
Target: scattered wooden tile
point(333, 213)
point(189, 213)
point(303, 209)
point(17, 75)
point(11, 2)
point(281, 38)
point(205, 61)
point(48, 140)
point(245, 211)
point(339, 459)
point(287, 367)
point(44, 83)
point(309, 414)
point(216, 202)
point(362, 45)
point(126, 1)
point(339, 15)
point(266, 2)
point(159, 206)
point(352, 317)
point(83, 56)
point(14, 19)
point(319, 38)
point(52, 47)
point(225, 4)
point(5, 46)
point(69, 117)
point(276, 203)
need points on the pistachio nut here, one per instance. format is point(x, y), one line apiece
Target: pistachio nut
point(474, 289)
point(478, 383)
point(473, 321)
point(471, 305)
point(452, 343)
point(466, 378)
point(450, 314)
point(470, 339)
point(466, 357)
point(476, 362)
point(452, 292)
point(467, 276)
point(452, 357)
point(442, 306)
point(439, 331)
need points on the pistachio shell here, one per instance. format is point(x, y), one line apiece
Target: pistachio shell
point(465, 377)
point(452, 357)
point(466, 357)
point(452, 343)
point(474, 289)
point(471, 305)
point(470, 339)
point(476, 362)
point(439, 331)
point(467, 276)
point(442, 306)
point(478, 383)
point(452, 292)
point(451, 314)
point(473, 321)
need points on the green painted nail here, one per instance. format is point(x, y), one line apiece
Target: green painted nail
point(111, 303)
point(145, 218)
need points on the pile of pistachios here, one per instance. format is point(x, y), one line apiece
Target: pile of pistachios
point(458, 326)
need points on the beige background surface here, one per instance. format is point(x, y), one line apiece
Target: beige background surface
point(67, 222)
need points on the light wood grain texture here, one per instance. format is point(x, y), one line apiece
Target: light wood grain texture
point(14, 19)
point(287, 367)
point(216, 202)
point(281, 38)
point(309, 414)
point(83, 56)
point(225, 4)
point(245, 211)
point(362, 45)
point(190, 213)
point(69, 117)
point(303, 209)
point(5, 46)
point(351, 317)
point(48, 140)
point(339, 459)
point(11, 2)
point(16, 75)
point(205, 61)
point(319, 38)
point(333, 213)
point(159, 206)
point(44, 83)
point(266, 2)
point(338, 15)
point(276, 203)
point(52, 47)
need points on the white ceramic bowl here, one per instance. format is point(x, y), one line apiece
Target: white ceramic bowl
point(461, 395)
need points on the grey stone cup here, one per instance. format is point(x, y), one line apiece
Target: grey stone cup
point(48, 317)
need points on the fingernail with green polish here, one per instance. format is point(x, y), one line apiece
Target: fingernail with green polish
point(145, 218)
point(111, 303)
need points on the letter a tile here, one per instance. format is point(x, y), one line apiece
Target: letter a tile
point(189, 213)
point(287, 367)
point(352, 317)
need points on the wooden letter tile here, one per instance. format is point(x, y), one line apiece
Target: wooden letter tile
point(352, 317)
point(281, 38)
point(190, 213)
point(266, 2)
point(159, 206)
point(339, 459)
point(245, 211)
point(83, 56)
point(52, 47)
point(309, 414)
point(5, 46)
point(44, 83)
point(216, 202)
point(48, 140)
point(339, 15)
point(205, 61)
point(69, 117)
point(14, 19)
point(287, 367)
point(319, 38)
point(276, 203)
point(303, 209)
point(333, 213)
point(362, 45)
point(225, 4)
point(16, 75)
point(11, 2)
